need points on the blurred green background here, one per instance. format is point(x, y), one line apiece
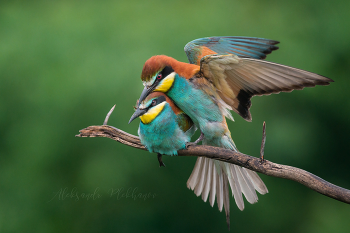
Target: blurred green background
point(64, 64)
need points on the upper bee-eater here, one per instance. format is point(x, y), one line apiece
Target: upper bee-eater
point(224, 74)
point(164, 128)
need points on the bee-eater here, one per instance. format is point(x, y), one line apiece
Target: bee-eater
point(164, 128)
point(224, 74)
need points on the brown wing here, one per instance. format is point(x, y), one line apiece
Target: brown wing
point(184, 121)
point(237, 80)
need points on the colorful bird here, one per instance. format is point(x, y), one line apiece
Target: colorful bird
point(164, 128)
point(224, 74)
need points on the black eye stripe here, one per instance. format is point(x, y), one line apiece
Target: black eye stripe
point(157, 101)
point(166, 71)
point(160, 99)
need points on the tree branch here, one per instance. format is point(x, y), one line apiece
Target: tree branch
point(256, 164)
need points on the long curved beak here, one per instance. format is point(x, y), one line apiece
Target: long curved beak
point(137, 113)
point(146, 91)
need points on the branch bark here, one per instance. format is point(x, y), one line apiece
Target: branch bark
point(256, 164)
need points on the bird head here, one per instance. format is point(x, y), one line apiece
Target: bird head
point(150, 108)
point(157, 75)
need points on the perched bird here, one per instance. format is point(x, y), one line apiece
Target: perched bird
point(164, 128)
point(224, 74)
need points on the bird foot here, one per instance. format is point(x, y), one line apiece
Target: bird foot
point(199, 139)
point(161, 164)
point(188, 144)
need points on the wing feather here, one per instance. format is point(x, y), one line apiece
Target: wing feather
point(251, 47)
point(237, 80)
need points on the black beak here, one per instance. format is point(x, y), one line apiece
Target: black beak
point(146, 91)
point(137, 113)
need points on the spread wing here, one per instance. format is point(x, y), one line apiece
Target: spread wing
point(248, 47)
point(237, 80)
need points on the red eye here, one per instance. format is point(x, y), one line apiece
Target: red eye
point(159, 76)
point(154, 102)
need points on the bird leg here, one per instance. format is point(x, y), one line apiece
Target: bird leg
point(161, 164)
point(195, 142)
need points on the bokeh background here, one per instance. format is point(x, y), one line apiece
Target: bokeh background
point(64, 64)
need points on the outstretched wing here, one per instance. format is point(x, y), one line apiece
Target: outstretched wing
point(248, 47)
point(237, 80)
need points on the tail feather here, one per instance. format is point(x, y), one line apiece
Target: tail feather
point(235, 187)
point(192, 181)
point(213, 178)
point(257, 182)
point(207, 186)
point(202, 177)
point(213, 185)
point(219, 191)
point(246, 185)
point(226, 194)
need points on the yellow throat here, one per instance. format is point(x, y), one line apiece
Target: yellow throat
point(166, 83)
point(152, 113)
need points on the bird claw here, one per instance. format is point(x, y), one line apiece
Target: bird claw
point(188, 144)
point(199, 139)
point(161, 164)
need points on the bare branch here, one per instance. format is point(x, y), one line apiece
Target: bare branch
point(108, 115)
point(262, 149)
point(256, 164)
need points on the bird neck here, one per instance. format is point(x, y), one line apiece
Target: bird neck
point(193, 101)
point(184, 69)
